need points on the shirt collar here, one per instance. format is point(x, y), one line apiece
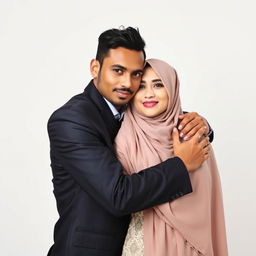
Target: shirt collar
point(117, 114)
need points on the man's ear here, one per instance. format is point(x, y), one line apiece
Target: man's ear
point(95, 68)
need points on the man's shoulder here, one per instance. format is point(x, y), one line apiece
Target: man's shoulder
point(79, 107)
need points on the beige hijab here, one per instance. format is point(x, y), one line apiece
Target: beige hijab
point(188, 226)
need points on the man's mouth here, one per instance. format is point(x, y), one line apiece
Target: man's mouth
point(123, 93)
point(149, 104)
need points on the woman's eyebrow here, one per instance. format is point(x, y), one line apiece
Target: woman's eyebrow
point(156, 80)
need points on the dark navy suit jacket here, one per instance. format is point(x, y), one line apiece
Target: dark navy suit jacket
point(94, 198)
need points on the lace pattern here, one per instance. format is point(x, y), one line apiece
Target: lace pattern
point(134, 243)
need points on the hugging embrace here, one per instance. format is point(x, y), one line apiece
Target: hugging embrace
point(126, 180)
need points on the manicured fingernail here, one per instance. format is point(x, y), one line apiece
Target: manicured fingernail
point(181, 134)
point(180, 127)
point(186, 138)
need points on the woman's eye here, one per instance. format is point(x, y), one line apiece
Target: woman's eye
point(158, 85)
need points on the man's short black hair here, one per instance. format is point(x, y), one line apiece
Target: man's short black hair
point(128, 38)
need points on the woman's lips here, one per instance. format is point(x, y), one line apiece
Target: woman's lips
point(149, 104)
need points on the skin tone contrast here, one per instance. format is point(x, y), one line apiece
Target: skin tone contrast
point(119, 77)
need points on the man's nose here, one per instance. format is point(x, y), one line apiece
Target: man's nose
point(127, 81)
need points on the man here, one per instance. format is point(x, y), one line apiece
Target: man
point(94, 197)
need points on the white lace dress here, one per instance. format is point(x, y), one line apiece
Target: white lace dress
point(134, 242)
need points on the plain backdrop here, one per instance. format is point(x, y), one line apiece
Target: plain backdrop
point(45, 50)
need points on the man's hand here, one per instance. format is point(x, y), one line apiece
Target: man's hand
point(193, 152)
point(190, 124)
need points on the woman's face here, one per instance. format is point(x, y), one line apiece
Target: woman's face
point(151, 98)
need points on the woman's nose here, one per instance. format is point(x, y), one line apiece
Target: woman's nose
point(149, 93)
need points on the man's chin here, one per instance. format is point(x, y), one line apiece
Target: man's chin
point(120, 102)
point(125, 100)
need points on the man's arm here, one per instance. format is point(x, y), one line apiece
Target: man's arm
point(83, 154)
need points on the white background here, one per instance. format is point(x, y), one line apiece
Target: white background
point(45, 50)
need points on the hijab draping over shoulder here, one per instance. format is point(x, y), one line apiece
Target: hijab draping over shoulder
point(193, 224)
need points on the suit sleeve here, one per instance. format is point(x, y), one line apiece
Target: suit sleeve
point(83, 154)
point(210, 134)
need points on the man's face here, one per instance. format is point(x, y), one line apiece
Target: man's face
point(119, 77)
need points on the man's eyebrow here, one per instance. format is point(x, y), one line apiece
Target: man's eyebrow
point(119, 66)
point(124, 68)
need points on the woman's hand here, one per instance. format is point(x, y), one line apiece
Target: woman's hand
point(190, 124)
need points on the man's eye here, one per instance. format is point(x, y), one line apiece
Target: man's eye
point(137, 74)
point(141, 86)
point(158, 85)
point(118, 70)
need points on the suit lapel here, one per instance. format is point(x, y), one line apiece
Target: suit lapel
point(108, 126)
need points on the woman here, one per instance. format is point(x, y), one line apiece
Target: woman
point(193, 224)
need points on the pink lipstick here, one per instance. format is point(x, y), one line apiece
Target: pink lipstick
point(149, 104)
